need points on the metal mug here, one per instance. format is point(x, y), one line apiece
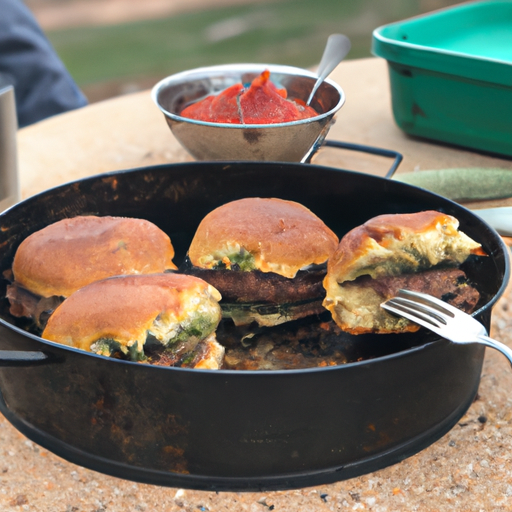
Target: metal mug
point(9, 184)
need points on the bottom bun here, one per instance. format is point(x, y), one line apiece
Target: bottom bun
point(268, 315)
point(358, 311)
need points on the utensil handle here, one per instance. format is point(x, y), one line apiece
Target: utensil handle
point(489, 342)
point(499, 218)
point(336, 49)
point(23, 358)
point(397, 157)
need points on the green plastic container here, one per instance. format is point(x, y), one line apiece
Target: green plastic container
point(451, 74)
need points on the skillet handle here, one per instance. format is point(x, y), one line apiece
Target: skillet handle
point(24, 358)
point(397, 157)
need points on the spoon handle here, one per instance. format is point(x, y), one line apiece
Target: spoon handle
point(336, 49)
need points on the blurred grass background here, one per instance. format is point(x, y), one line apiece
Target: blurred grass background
point(107, 60)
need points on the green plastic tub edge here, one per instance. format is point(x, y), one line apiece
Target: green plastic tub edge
point(443, 87)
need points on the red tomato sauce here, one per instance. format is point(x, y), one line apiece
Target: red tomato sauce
point(261, 103)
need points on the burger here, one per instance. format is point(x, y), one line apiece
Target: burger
point(133, 316)
point(420, 251)
point(61, 258)
point(266, 256)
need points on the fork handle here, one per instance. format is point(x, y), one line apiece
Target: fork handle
point(489, 342)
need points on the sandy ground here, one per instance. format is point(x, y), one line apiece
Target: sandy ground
point(54, 14)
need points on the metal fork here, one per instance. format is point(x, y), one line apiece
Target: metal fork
point(443, 319)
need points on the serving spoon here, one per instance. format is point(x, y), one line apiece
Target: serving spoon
point(336, 49)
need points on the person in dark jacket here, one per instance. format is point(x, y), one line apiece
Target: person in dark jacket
point(42, 85)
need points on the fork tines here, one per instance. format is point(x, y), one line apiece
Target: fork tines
point(397, 307)
point(429, 301)
point(420, 308)
point(413, 311)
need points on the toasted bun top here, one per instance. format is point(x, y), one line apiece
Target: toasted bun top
point(281, 236)
point(71, 253)
point(400, 243)
point(125, 308)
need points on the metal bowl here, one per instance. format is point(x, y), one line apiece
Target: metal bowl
point(291, 142)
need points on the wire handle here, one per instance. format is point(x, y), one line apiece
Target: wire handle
point(397, 157)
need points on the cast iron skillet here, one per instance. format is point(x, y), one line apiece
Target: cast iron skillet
point(240, 430)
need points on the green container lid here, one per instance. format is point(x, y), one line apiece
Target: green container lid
point(472, 40)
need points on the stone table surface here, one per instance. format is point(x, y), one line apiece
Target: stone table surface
point(469, 469)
